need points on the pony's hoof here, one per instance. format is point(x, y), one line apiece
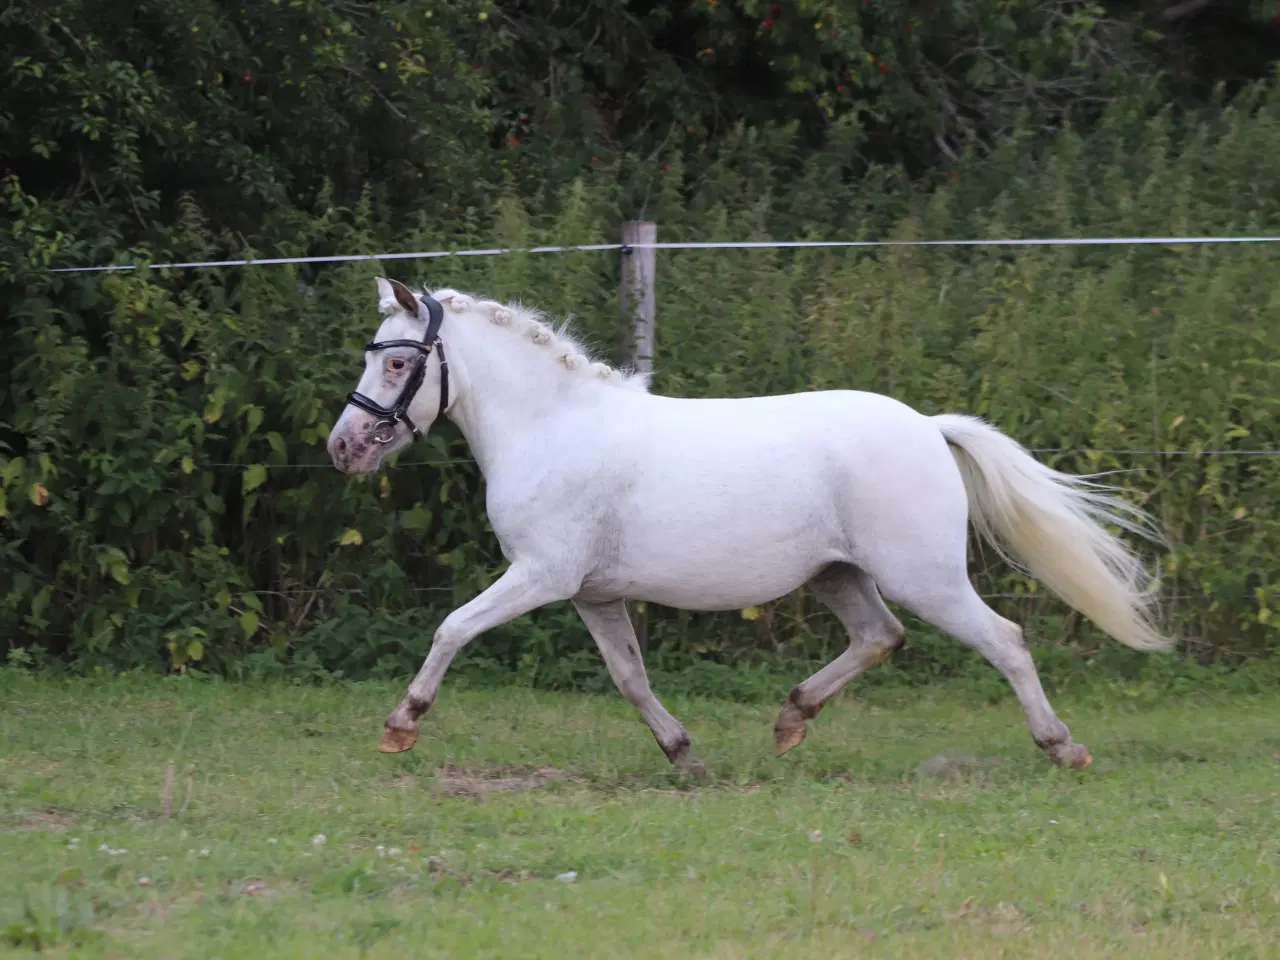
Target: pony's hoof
point(790, 729)
point(692, 767)
point(684, 763)
point(397, 740)
point(1073, 756)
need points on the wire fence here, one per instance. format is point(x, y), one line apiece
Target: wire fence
point(362, 591)
point(671, 245)
point(1085, 451)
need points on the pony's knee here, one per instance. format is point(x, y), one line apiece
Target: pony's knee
point(448, 639)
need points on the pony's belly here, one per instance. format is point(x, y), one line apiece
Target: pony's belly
point(728, 597)
point(705, 581)
point(724, 544)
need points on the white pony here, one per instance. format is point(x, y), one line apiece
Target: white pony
point(600, 492)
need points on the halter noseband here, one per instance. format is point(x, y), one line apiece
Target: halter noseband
point(384, 431)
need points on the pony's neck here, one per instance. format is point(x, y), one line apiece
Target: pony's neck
point(507, 392)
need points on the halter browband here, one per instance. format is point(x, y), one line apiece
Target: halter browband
point(384, 431)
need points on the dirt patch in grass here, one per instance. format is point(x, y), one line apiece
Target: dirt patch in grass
point(44, 821)
point(1003, 920)
point(499, 875)
point(399, 781)
point(955, 766)
point(478, 782)
point(697, 787)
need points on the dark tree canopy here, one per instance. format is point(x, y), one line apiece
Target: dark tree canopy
point(113, 110)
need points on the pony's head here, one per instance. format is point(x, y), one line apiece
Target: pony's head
point(404, 387)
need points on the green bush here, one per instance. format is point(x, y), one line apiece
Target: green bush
point(167, 502)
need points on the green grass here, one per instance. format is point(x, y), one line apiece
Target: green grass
point(1168, 847)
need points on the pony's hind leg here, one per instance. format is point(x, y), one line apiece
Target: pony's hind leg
point(874, 633)
point(952, 604)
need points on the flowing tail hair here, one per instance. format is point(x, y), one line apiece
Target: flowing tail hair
point(1052, 526)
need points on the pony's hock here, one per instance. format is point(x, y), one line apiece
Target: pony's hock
point(600, 492)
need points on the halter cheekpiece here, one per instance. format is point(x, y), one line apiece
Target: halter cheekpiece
point(384, 431)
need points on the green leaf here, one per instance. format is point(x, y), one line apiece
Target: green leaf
point(40, 601)
point(195, 650)
point(417, 519)
point(12, 470)
point(254, 419)
point(254, 477)
point(213, 409)
point(248, 623)
point(352, 538)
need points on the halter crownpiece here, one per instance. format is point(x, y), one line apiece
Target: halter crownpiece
point(390, 418)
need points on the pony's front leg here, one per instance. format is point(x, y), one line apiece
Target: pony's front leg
point(515, 593)
point(611, 628)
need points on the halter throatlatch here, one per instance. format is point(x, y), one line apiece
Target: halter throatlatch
point(390, 418)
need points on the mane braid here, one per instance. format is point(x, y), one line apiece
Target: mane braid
point(558, 342)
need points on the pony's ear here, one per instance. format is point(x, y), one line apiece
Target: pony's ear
point(393, 292)
point(406, 299)
point(386, 296)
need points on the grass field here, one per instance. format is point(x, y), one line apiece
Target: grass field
point(543, 825)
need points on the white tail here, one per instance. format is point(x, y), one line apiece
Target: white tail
point(1053, 525)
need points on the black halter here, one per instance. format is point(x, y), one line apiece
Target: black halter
point(384, 431)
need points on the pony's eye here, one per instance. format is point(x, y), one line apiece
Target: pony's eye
point(397, 363)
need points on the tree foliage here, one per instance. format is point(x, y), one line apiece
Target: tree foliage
point(114, 111)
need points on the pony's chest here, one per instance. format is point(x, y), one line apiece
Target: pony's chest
point(569, 504)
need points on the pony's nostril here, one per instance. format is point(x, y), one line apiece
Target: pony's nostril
point(340, 447)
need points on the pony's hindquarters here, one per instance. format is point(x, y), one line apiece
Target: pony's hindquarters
point(1052, 524)
point(915, 487)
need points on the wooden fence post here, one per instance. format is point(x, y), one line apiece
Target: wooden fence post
point(639, 306)
point(636, 294)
